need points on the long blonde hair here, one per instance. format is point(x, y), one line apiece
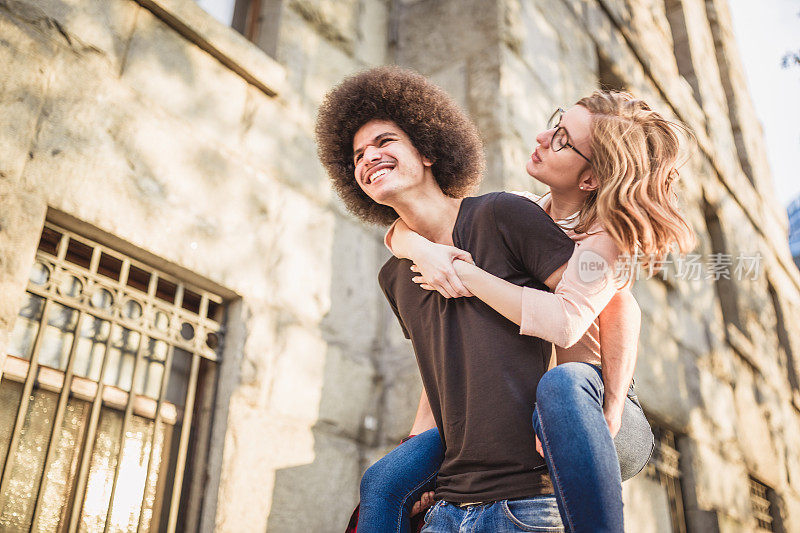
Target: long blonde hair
point(634, 156)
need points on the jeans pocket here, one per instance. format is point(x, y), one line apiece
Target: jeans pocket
point(534, 514)
point(429, 513)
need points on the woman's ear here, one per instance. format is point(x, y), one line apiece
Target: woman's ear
point(427, 162)
point(588, 181)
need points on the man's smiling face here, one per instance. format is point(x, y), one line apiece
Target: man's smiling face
point(386, 161)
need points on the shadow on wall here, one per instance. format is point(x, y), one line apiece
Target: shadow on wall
point(319, 496)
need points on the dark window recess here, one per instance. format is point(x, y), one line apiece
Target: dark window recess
point(609, 79)
point(214, 311)
point(166, 290)
point(783, 339)
point(109, 266)
point(191, 301)
point(730, 88)
point(664, 467)
point(138, 279)
point(766, 505)
point(726, 288)
point(49, 241)
point(259, 21)
point(79, 254)
point(681, 46)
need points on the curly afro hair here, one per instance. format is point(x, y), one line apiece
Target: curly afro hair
point(436, 125)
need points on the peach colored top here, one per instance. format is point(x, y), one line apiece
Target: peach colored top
point(567, 317)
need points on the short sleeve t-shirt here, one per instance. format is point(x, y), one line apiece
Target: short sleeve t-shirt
point(479, 373)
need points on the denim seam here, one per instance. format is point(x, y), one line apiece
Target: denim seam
point(403, 503)
point(554, 473)
point(477, 518)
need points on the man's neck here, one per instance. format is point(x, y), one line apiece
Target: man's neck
point(432, 215)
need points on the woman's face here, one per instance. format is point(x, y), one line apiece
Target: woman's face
point(564, 170)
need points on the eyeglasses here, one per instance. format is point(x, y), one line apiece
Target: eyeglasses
point(561, 136)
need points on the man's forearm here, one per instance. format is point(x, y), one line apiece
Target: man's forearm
point(620, 322)
point(424, 419)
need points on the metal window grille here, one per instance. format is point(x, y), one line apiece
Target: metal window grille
point(98, 393)
point(664, 468)
point(761, 504)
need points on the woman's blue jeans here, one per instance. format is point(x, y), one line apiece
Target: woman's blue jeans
point(396, 482)
point(586, 466)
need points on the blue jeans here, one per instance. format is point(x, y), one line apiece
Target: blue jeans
point(586, 466)
point(395, 483)
point(505, 516)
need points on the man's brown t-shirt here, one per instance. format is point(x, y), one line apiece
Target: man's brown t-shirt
point(479, 373)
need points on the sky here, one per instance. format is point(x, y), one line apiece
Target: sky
point(765, 30)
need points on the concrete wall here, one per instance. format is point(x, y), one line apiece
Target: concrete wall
point(149, 121)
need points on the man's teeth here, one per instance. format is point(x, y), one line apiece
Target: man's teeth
point(378, 174)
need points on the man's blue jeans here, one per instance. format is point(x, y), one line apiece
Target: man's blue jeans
point(539, 513)
point(586, 466)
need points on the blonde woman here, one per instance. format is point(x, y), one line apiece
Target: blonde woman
point(610, 163)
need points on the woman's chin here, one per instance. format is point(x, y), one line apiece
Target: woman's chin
point(531, 170)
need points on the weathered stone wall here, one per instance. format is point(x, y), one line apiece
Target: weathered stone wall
point(153, 123)
point(149, 121)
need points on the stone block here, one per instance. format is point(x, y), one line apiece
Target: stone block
point(21, 94)
point(278, 138)
point(348, 394)
point(666, 376)
point(453, 79)
point(756, 442)
point(91, 27)
point(373, 32)
point(329, 482)
point(484, 101)
point(402, 389)
point(257, 447)
point(314, 64)
point(299, 375)
point(353, 321)
point(719, 483)
point(187, 82)
point(527, 100)
point(431, 35)
point(336, 21)
point(302, 238)
point(21, 218)
point(646, 504)
point(791, 507)
point(718, 398)
point(540, 49)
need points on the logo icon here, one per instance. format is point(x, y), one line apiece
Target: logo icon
point(591, 266)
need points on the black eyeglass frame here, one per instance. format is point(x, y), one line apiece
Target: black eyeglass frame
point(558, 113)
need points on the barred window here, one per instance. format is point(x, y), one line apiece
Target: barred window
point(664, 468)
point(763, 501)
point(108, 361)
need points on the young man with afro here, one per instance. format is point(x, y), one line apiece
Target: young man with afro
point(395, 145)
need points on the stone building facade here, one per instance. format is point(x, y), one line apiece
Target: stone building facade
point(162, 206)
